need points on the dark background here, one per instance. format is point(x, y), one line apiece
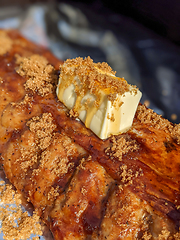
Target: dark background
point(161, 16)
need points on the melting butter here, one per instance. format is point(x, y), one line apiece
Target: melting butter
point(95, 108)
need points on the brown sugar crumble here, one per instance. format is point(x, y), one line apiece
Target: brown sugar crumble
point(43, 128)
point(62, 163)
point(41, 76)
point(164, 234)
point(83, 161)
point(53, 193)
point(94, 77)
point(37, 138)
point(46, 141)
point(28, 157)
point(148, 116)
point(72, 113)
point(146, 236)
point(60, 168)
point(111, 118)
point(27, 100)
point(15, 223)
point(8, 194)
point(177, 235)
point(127, 175)
point(121, 144)
point(176, 133)
point(5, 43)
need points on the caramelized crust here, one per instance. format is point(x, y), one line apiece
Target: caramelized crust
point(82, 203)
point(133, 218)
point(125, 187)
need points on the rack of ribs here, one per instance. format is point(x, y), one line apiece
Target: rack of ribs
point(124, 187)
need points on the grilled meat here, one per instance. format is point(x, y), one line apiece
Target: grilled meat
point(125, 187)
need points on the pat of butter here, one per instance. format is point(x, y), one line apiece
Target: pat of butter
point(93, 92)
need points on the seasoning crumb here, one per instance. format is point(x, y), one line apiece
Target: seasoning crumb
point(16, 223)
point(53, 192)
point(164, 234)
point(27, 100)
point(127, 175)
point(73, 114)
point(146, 236)
point(148, 116)
point(121, 144)
point(41, 77)
point(43, 128)
point(83, 191)
point(176, 133)
point(177, 235)
point(83, 161)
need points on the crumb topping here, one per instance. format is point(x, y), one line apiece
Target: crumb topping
point(176, 133)
point(28, 156)
point(15, 223)
point(83, 161)
point(53, 193)
point(43, 128)
point(148, 116)
point(40, 75)
point(146, 236)
point(127, 175)
point(73, 113)
point(51, 159)
point(37, 139)
point(61, 166)
point(94, 77)
point(5, 43)
point(111, 118)
point(27, 100)
point(26, 150)
point(164, 234)
point(8, 194)
point(121, 144)
point(62, 163)
point(177, 235)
